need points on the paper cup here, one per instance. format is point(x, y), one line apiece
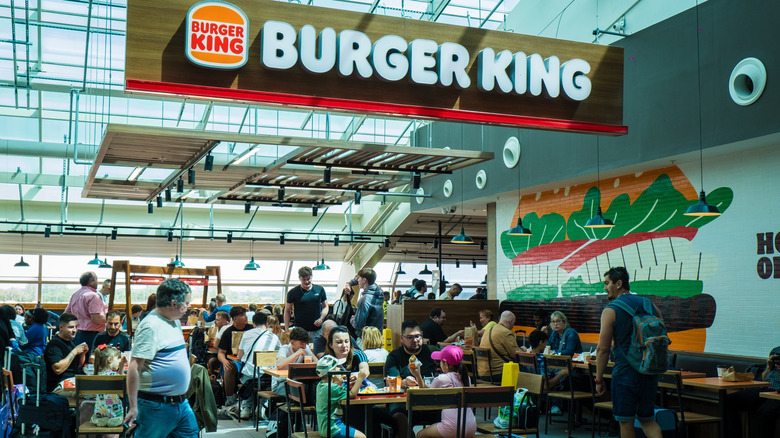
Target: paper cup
point(722, 369)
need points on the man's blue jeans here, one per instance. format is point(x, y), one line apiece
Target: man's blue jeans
point(161, 420)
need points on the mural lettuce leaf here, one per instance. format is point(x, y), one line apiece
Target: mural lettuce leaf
point(546, 229)
point(660, 207)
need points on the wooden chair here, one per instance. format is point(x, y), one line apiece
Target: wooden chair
point(562, 363)
point(376, 370)
point(296, 404)
point(528, 360)
point(433, 399)
point(8, 395)
point(673, 381)
point(262, 359)
point(93, 386)
point(471, 366)
point(485, 354)
point(489, 397)
point(306, 374)
point(598, 404)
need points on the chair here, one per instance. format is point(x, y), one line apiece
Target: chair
point(93, 386)
point(485, 354)
point(262, 359)
point(428, 399)
point(528, 360)
point(376, 370)
point(471, 366)
point(489, 397)
point(296, 403)
point(306, 374)
point(673, 381)
point(598, 405)
point(8, 396)
point(562, 363)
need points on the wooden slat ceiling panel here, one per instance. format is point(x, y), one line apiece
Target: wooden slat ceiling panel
point(179, 149)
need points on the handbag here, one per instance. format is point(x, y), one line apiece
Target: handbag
point(525, 415)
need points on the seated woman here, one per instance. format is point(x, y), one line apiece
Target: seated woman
point(374, 350)
point(36, 319)
point(563, 339)
point(486, 321)
point(340, 347)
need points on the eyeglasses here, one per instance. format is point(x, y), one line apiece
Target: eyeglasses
point(412, 337)
point(557, 321)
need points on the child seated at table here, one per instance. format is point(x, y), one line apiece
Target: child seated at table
point(108, 410)
point(453, 375)
point(326, 407)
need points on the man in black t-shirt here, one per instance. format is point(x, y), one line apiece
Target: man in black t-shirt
point(310, 303)
point(230, 367)
point(432, 330)
point(62, 356)
point(113, 336)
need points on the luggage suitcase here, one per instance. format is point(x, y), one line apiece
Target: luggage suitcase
point(43, 414)
point(667, 419)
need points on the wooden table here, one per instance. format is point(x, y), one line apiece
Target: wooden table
point(273, 372)
point(688, 374)
point(718, 384)
point(370, 400)
point(772, 395)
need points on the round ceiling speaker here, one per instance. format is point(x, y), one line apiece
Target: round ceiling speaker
point(481, 179)
point(511, 152)
point(420, 192)
point(447, 188)
point(747, 81)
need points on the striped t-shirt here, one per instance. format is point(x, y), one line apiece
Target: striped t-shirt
point(161, 342)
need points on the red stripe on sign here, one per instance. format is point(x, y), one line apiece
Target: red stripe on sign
point(359, 106)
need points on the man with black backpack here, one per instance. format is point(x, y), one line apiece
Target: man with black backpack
point(633, 391)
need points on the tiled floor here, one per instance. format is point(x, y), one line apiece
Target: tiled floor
point(245, 429)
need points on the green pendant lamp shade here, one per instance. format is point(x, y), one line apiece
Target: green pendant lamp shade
point(426, 271)
point(95, 261)
point(701, 208)
point(176, 263)
point(400, 270)
point(599, 221)
point(251, 266)
point(462, 238)
point(519, 229)
point(321, 267)
point(104, 264)
point(21, 263)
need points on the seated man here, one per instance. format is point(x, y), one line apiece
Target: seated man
point(397, 364)
point(766, 411)
point(62, 356)
point(502, 344)
point(230, 367)
point(431, 328)
point(113, 335)
point(322, 340)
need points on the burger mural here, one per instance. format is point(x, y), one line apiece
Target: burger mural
point(560, 266)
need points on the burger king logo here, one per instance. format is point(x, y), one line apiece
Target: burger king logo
point(217, 35)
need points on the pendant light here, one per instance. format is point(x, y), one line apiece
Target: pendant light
point(598, 221)
point(426, 271)
point(96, 260)
point(700, 208)
point(519, 229)
point(104, 264)
point(462, 238)
point(400, 270)
point(177, 263)
point(251, 266)
point(322, 266)
point(21, 263)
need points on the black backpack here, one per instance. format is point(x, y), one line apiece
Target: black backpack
point(199, 347)
point(23, 362)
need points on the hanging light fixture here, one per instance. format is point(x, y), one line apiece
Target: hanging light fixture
point(21, 263)
point(322, 266)
point(400, 270)
point(96, 260)
point(426, 271)
point(177, 263)
point(462, 238)
point(598, 221)
point(104, 263)
point(517, 230)
point(47, 231)
point(251, 266)
point(700, 208)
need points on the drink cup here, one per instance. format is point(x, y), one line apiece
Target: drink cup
point(722, 369)
point(306, 359)
point(547, 350)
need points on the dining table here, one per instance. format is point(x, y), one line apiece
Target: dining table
point(722, 387)
point(772, 395)
point(367, 401)
point(273, 372)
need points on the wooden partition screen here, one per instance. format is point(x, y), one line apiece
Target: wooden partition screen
point(128, 269)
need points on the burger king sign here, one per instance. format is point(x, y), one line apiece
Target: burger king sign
point(217, 35)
